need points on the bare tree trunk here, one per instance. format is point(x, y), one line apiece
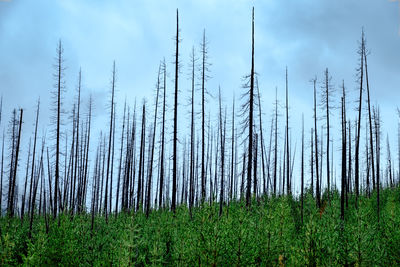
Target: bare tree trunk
point(302, 167)
point(327, 94)
point(357, 152)
point(175, 140)
point(26, 182)
point(192, 130)
point(150, 174)
point(1, 180)
point(222, 137)
point(262, 136)
point(288, 189)
point(276, 141)
point(59, 86)
point(141, 160)
point(343, 176)
point(371, 137)
point(109, 142)
point(33, 156)
point(120, 161)
point(164, 69)
point(232, 151)
point(378, 147)
point(204, 69)
point(251, 104)
point(11, 206)
point(87, 150)
point(76, 155)
point(316, 146)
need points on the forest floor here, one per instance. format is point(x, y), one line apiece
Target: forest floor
point(270, 233)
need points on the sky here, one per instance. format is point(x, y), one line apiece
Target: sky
point(305, 36)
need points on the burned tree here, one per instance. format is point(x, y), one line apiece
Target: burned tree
point(175, 140)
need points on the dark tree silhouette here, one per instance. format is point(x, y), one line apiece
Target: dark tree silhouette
point(358, 134)
point(175, 140)
point(250, 119)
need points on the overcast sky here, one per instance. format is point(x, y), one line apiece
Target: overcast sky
point(306, 36)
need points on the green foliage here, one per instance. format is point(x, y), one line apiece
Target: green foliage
point(270, 233)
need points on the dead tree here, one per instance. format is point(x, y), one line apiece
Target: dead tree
point(33, 156)
point(120, 161)
point(141, 160)
point(60, 85)
point(357, 148)
point(192, 133)
point(389, 161)
point(109, 142)
point(250, 118)
point(150, 173)
point(288, 189)
point(378, 152)
point(371, 138)
point(222, 140)
point(316, 146)
point(276, 140)
point(204, 69)
point(76, 139)
point(11, 199)
point(26, 183)
point(233, 165)
point(261, 136)
point(175, 140)
point(302, 167)
point(162, 153)
point(1, 176)
point(327, 93)
point(344, 152)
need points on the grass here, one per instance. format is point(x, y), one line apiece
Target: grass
point(270, 233)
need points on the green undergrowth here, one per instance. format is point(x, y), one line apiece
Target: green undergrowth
point(270, 233)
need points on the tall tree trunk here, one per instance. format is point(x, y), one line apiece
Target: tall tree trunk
point(276, 141)
point(251, 111)
point(141, 160)
point(262, 136)
point(26, 183)
point(204, 69)
point(150, 174)
point(357, 152)
point(288, 191)
point(59, 86)
point(12, 208)
point(231, 189)
point(109, 142)
point(371, 137)
point(316, 146)
point(175, 140)
point(164, 68)
point(192, 130)
point(222, 137)
point(33, 156)
point(120, 161)
point(302, 167)
point(343, 176)
point(327, 93)
point(378, 148)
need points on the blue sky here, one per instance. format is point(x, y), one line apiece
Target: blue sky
point(306, 36)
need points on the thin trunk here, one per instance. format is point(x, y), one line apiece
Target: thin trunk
point(175, 140)
point(109, 142)
point(316, 146)
point(288, 189)
point(163, 135)
point(120, 160)
point(356, 177)
point(251, 104)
